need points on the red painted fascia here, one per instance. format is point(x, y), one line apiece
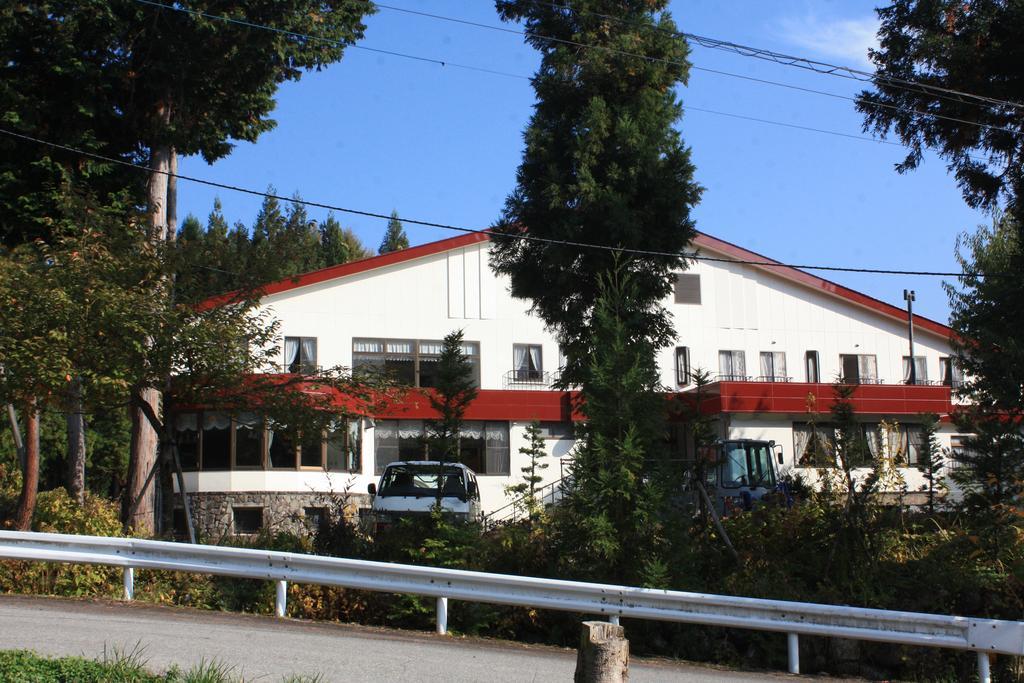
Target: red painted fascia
point(815, 282)
point(491, 404)
point(792, 398)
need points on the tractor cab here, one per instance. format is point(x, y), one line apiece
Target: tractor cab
point(740, 473)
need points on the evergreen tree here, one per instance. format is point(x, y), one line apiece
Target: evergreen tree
point(191, 230)
point(929, 459)
point(603, 164)
point(526, 490)
point(333, 247)
point(455, 389)
point(395, 237)
point(353, 245)
point(610, 525)
point(969, 47)
point(270, 222)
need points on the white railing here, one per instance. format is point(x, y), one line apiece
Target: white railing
point(984, 636)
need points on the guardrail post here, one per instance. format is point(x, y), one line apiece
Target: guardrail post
point(281, 600)
point(613, 619)
point(442, 615)
point(129, 583)
point(793, 641)
point(984, 675)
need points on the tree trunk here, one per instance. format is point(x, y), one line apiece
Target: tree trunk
point(145, 440)
point(75, 475)
point(30, 475)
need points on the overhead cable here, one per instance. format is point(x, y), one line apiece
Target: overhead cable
point(694, 256)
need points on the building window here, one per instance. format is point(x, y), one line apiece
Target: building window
point(483, 446)
point(687, 289)
point(186, 436)
point(960, 452)
point(920, 370)
point(952, 375)
point(773, 367)
point(248, 440)
point(216, 444)
point(814, 445)
point(281, 447)
point(316, 518)
point(311, 451)
point(527, 363)
point(344, 445)
point(811, 367)
point(247, 520)
point(408, 361)
point(557, 430)
point(300, 355)
point(732, 366)
point(682, 365)
point(859, 369)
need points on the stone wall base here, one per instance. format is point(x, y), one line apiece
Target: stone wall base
point(218, 515)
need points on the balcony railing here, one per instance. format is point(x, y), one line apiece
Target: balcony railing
point(538, 380)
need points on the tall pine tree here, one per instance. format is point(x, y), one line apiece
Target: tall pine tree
point(603, 164)
point(395, 237)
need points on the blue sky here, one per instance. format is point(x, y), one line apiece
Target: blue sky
point(377, 132)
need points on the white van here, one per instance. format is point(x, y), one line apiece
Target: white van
point(411, 488)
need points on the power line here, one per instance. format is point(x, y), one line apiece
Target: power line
point(440, 62)
point(804, 62)
point(481, 231)
point(329, 41)
point(661, 60)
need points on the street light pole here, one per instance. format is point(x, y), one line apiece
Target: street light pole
point(908, 296)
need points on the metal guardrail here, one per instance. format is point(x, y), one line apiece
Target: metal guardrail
point(984, 636)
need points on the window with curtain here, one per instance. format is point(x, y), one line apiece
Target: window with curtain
point(773, 366)
point(812, 367)
point(859, 368)
point(344, 446)
point(814, 445)
point(216, 441)
point(527, 362)
point(732, 366)
point(682, 365)
point(281, 447)
point(920, 366)
point(186, 436)
point(385, 444)
point(952, 375)
point(409, 361)
point(248, 440)
point(300, 355)
point(497, 460)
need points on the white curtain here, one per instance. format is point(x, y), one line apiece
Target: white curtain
point(431, 347)
point(535, 358)
point(291, 350)
point(779, 363)
point(367, 346)
point(410, 429)
point(400, 347)
point(472, 430)
point(216, 421)
point(867, 367)
point(497, 433)
point(187, 422)
point(386, 430)
point(766, 364)
point(725, 363)
point(801, 437)
point(309, 350)
point(470, 348)
point(519, 358)
point(249, 421)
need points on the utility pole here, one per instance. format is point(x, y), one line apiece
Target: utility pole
point(908, 296)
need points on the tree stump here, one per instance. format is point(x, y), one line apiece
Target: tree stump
point(603, 656)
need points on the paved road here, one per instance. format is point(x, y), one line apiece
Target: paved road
point(268, 649)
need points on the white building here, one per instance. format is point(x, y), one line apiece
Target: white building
point(771, 337)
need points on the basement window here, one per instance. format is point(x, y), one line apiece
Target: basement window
point(248, 520)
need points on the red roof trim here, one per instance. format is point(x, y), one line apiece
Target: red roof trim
point(701, 240)
point(815, 282)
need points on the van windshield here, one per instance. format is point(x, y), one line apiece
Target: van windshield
point(423, 481)
point(747, 464)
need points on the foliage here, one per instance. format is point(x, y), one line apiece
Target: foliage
point(930, 462)
point(526, 491)
point(609, 518)
point(987, 305)
point(23, 666)
point(395, 237)
point(455, 389)
point(969, 47)
point(603, 164)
